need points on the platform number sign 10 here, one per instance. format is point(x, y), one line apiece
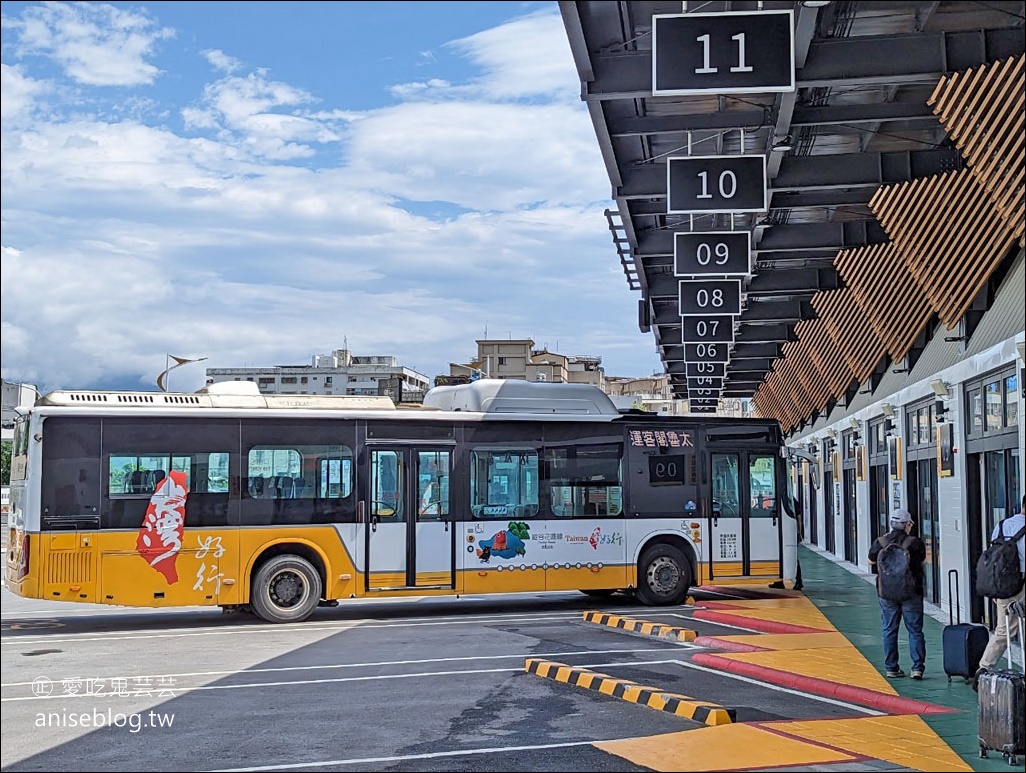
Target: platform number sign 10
point(705, 184)
point(723, 53)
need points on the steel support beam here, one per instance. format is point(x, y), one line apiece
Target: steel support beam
point(836, 62)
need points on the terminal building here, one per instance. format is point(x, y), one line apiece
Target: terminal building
point(867, 177)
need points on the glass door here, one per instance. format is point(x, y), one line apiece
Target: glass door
point(745, 526)
point(929, 527)
point(408, 539)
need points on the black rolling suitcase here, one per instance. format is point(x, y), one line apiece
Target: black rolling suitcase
point(1002, 696)
point(963, 643)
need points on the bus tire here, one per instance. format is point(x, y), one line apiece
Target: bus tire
point(286, 589)
point(664, 576)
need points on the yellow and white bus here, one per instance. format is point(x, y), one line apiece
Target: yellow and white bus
point(276, 504)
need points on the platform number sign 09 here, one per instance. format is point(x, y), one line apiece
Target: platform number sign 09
point(723, 53)
point(722, 253)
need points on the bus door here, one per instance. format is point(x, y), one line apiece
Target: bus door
point(745, 517)
point(408, 537)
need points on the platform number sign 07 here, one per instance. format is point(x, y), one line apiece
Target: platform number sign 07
point(723, 53)
point(708, 328)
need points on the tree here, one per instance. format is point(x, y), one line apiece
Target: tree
point(5, 463)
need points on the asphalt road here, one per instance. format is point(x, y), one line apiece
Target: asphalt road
point(403, 685)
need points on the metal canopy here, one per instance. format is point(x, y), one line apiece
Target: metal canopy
point(858, 119)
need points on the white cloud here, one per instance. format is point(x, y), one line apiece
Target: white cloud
point(277, 223)
point(97, 45)
point(526, 57)
point(17, 94)
point(219, 60)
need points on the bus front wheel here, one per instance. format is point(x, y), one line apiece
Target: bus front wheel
point(664, 576)
point(286, 589)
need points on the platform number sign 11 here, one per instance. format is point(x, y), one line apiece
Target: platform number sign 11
point(723, 53)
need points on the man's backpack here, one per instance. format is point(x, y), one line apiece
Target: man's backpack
point(894, 578)
point(998, 575)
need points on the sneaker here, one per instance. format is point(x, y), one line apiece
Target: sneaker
point(896, 674)
point(917, 674)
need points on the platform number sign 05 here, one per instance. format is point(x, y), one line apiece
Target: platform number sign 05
point(723, 53)
point(706, 297)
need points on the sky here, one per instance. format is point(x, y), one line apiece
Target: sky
point(257, 183)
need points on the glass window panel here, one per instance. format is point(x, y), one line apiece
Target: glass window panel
point(993, 402)
point(762, 480)
point(975, 411)
point(504, 483)
point(433, 484)
point(1011, 401)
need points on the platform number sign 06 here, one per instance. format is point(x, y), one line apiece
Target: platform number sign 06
point(706, 352)
point(723, 53)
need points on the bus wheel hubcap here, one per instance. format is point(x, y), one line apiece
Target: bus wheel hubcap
point(663, 575)
point(287, 589)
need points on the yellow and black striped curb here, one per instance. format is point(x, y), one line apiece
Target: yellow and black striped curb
point(654, 698)
point(641, 626)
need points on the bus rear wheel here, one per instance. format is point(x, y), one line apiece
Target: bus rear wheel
point(286, 589)
point(664, 576)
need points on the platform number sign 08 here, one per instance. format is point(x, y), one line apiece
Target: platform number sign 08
point(723, 53)
point(706, 297)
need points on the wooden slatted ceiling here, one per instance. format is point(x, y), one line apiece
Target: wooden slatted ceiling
point(948, 233)
point(893, 303)
point(944, 227)
point(855, 340)
point(984, 112)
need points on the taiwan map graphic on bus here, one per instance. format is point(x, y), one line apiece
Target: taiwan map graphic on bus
point(508, 543)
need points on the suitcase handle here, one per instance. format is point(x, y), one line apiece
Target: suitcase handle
point(951, 599)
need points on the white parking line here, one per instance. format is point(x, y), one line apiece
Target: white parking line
point(381, 663)
point(343, 625)
point(778, 688)
point(424, 756)
point(338, 680)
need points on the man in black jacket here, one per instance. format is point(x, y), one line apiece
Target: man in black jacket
point(910, 609)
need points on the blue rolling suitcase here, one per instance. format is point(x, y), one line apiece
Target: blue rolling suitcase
point(962, 643)
point(1002, 697)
